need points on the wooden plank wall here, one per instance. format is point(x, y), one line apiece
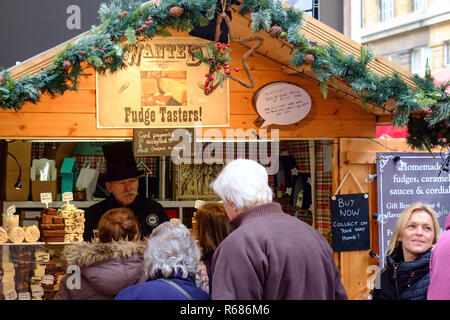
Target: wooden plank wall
point(359, 156)
point(73, 115)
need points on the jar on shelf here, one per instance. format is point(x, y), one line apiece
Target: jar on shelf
point(79, 194)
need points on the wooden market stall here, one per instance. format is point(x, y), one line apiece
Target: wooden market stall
point(339, 117)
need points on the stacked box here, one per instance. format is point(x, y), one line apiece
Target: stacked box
point(51, 279)
point(73, 221)
point(52, 226)
point(8, 274)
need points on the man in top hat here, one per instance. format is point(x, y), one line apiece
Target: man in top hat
point(122, 181)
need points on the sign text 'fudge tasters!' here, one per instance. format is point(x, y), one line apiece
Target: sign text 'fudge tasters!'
point(161, 87)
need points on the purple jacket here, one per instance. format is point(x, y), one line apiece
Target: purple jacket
point(105, 269)
point(439, 288)
point(274, 256)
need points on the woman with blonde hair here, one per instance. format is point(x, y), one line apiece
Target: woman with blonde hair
point(406, 275)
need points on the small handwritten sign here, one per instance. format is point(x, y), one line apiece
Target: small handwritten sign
point(48, 279)
point(162, 141)
point(37, 291)
point(11, 295)
point(46, 198)
point(11, 210)
point(350, 222)
point(282, 103)
point(67, 196)
point(24, 296)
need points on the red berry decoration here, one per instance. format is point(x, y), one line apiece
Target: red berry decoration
point(236, 69)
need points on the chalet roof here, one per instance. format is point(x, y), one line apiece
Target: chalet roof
point(272, 48)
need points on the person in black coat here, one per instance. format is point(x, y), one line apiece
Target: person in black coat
point(406, 275)
point(122, 183)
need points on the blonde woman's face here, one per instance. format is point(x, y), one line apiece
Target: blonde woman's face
point(417, 236)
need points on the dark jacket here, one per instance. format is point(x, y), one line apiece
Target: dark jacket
point(207, 260)
point(154, 289)
point(274, 256)
point(106, 269)
point(148, 212)
point(402, 280)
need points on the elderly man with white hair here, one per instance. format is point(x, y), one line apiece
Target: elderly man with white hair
point(270, 255)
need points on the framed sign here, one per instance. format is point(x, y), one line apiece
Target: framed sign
point(161, 87)
point(405, 178)
point(282, 103)
point(192, 181)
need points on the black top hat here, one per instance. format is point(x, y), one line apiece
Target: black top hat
point(120, 162)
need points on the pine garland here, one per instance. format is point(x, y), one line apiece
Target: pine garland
point(424, 107)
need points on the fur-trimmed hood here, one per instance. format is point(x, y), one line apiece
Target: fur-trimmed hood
point(85, 254)
point(106, 268)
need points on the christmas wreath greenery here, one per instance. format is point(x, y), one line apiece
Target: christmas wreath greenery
point(424, 107)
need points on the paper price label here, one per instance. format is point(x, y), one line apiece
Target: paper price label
point(24, 296)
point(11, 210)
point(48, 279)
point(46, 198)
point(11, 295)
point(67, 196)
point(37, 291)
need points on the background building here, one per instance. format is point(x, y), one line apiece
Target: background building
point(409, 32)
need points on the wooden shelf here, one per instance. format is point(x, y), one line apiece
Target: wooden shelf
point(36, 243)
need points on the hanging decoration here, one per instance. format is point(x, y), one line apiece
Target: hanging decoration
point(423, 107)
point(219, 59)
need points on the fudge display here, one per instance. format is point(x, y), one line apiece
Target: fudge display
point(73, 223)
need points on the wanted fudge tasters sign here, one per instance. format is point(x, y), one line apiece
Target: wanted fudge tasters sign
point(405, 178)
point(161, 88)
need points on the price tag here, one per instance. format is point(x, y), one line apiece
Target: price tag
point(48, 279)
point(11, 210)
point(46, 198)
point(11, 295)
point(37, 291)
point(67, 196)
point(24, 296)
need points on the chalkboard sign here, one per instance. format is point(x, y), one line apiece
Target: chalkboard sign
point(350, 222)
point(405, 178)
point(162, 141)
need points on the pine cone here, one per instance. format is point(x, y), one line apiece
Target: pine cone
point(212, 61)
point(122, 15)
point(176, 11)
point(67, 64)
point(309, 58)
point(275, 31)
